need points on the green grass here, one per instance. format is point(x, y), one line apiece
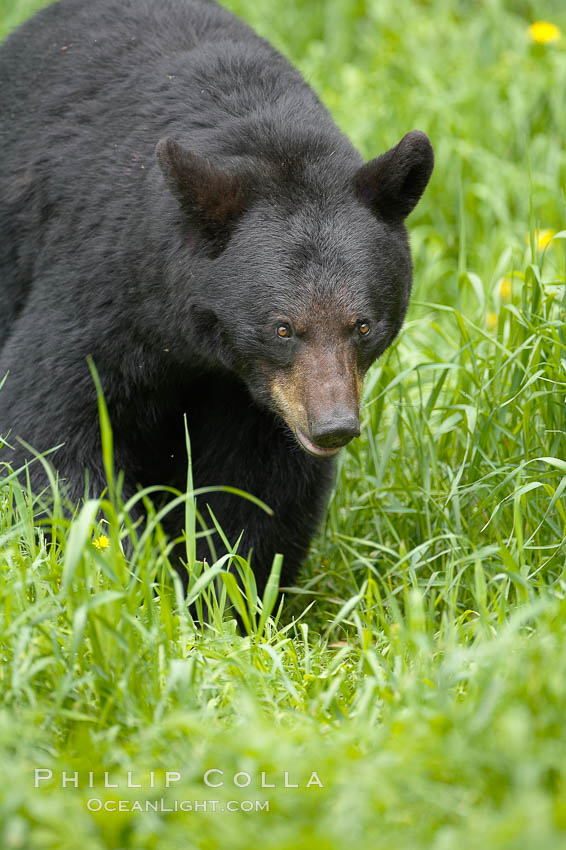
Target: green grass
point(419, 665)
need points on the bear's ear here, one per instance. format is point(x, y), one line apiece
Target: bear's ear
point(391, 184)
point(212, 199)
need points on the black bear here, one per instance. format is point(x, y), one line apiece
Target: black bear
point(176, 202)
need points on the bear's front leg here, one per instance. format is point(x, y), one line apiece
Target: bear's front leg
point(48, 406)
point(236, 443)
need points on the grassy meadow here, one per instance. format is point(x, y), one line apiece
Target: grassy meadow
point(418, 667)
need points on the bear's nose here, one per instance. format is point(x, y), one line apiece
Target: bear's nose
point(335, 429)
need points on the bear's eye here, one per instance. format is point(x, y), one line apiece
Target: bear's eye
point(363, 327)
point(284, 330)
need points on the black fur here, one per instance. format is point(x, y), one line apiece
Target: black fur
point(169, 188)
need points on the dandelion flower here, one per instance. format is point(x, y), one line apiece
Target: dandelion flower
point(491, 321)
point(544, 32)
point(101, 542)
point(543, 238)
point(505, 289)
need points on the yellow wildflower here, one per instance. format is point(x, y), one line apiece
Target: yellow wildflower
point(543, 32)
point(505, 288)
point(491, 321)
point(101, 542)
point(543, 238)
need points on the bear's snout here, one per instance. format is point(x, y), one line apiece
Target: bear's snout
point(319, 400)
point(336, 428)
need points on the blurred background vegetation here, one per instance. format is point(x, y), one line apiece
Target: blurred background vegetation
point(424, 674)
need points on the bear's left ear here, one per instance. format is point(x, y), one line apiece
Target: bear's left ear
point(391, 184)
point(212, 199)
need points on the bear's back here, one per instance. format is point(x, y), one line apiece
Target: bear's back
point(122, 65)
point(87, 89)
point(72, 41)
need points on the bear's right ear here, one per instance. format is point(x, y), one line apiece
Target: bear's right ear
point(212, 199)
point(391, 184)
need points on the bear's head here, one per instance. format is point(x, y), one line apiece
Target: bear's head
point(304, 273)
